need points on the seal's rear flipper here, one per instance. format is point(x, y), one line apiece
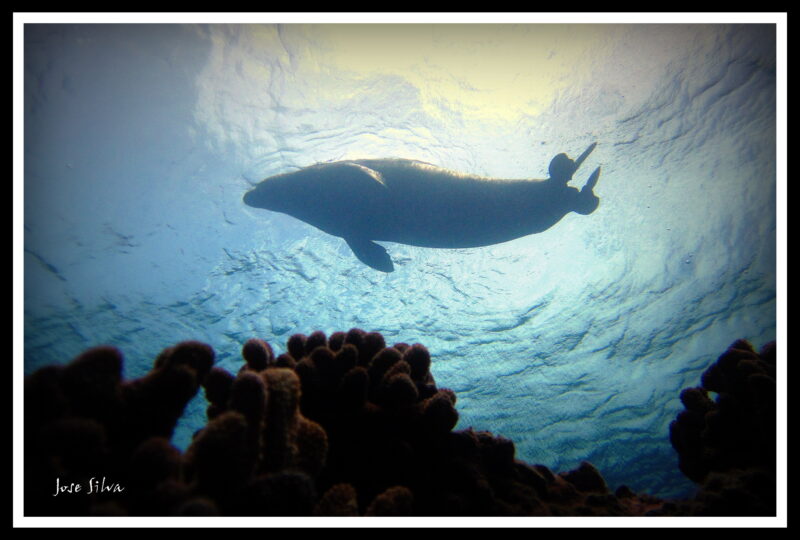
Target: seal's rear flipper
point(592, 181)
point(587, 202)
point(585, 154)
point(371, 254)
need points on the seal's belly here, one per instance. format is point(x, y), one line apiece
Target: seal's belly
point(456, 213)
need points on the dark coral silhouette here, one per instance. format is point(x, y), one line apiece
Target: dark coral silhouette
point(728, 445)
point(346, 425)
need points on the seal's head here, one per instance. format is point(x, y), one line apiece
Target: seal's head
point(251, 198)
point(561, 169)
point(270, 194)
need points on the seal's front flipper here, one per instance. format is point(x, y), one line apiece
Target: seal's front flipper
point(371, 254)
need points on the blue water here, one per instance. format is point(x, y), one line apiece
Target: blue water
point(575, 343)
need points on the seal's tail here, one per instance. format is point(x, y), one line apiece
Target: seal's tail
point(587, 201)
point(585, 154)
point(592, 181)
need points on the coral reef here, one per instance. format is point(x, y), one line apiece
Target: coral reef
point(728, 445)
point(85, 426)
point(346, 425)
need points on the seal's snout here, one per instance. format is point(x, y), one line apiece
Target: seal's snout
point(249, 198)
point(262, 196)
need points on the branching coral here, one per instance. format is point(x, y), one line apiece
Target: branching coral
point(85, 428)
point(727, 445)
point(347, 425)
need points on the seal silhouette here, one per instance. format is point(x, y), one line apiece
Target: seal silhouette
point(416, 203)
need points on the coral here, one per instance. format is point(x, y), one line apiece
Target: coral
point(90, 383)
point(727, 445)
point(153, 464)
point(347, 425)
point(152, 405)
point(310, 447)
point(296, 346)
point(340, 500)
point(314, 340)
point(84, 425)
point(586, 478)
point(282, 415)
point(197, 507)
point(282, 493)
point(395, 501)
point(336, 340)
point(219, 462)
point(439, 413)
point(217, 386)
point(258, 354)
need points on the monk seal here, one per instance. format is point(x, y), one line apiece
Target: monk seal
point(416, 203)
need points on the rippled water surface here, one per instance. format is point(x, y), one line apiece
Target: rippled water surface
point(140, 141)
